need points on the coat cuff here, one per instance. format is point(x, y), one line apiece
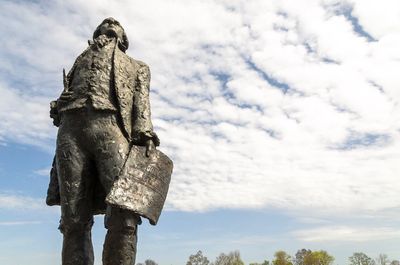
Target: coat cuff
point(140, 138)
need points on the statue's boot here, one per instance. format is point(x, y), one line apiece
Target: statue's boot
point(77, 246)
point(120, 242)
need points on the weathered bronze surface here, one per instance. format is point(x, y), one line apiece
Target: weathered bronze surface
point(106, 161)
point(143, 182)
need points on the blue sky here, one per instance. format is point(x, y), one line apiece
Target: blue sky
point(282, 118)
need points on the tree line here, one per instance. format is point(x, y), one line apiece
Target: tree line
point(302, 257)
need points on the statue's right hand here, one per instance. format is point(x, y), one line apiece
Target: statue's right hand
point(54, 113)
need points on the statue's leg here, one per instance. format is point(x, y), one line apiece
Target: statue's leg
point(112, 149)
point(75, 182)
point(120, 242)
point(77, 245)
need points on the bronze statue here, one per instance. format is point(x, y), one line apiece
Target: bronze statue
point(106, 161)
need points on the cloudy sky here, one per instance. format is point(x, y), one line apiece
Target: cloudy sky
point(282, 118)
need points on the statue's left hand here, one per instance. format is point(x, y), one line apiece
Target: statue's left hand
point(149, 147)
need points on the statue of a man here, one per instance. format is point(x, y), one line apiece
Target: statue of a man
point(102, 112)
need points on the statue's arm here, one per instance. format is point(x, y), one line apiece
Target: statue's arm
point(142, 126)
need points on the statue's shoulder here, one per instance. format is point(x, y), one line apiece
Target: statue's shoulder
point(83, 53)
point(125, 58)
point(127, 62)
point(78, 61)
point(140, 65)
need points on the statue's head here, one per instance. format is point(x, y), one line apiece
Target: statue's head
point(112, 28)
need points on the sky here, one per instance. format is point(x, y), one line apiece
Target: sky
point(282, 119)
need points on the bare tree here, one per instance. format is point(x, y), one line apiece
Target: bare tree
point(198, 259)
point(233, 258)
point(301, 254)
point(359, 258)
point(382, 259)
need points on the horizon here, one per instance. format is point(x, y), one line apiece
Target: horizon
point(282, 119)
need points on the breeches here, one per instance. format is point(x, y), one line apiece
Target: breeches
point(91, 150)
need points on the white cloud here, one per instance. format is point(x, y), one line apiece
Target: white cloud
point(43, 171)
point(20, 202)
point(25, 118)
point(12, 223)
point(379, 18)
point(220, 70)
point(345, 233)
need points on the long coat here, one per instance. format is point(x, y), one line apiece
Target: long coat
point(131, 81)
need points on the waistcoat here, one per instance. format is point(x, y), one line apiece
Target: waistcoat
point(91, 82)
